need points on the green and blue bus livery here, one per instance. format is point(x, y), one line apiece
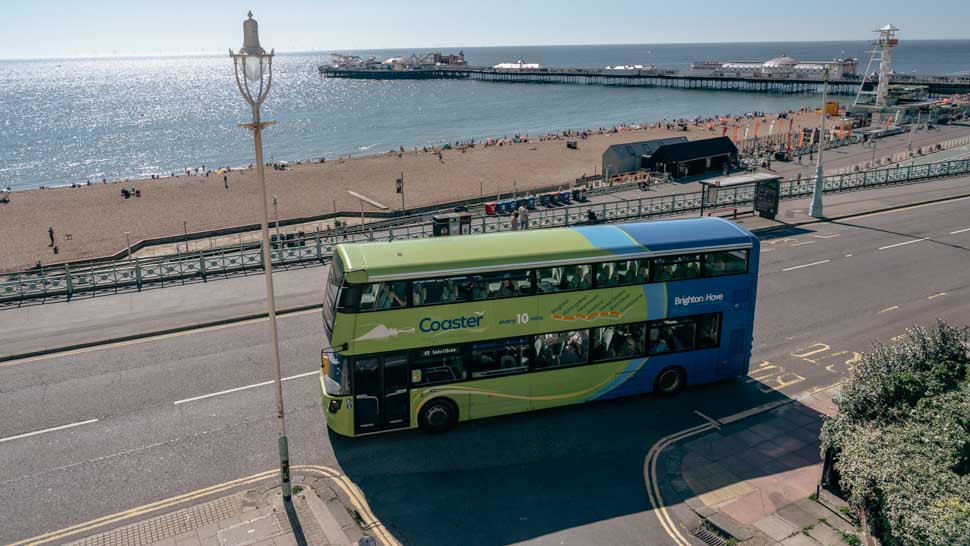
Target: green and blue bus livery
point(430, 332)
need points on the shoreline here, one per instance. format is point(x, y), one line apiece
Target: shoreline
point(191, 171)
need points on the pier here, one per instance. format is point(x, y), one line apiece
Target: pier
point(937, 85)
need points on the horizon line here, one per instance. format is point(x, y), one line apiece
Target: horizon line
point(212, 53)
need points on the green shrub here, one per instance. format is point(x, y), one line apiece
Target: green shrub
point(901, 438)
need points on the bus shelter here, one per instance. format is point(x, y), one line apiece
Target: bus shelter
point(765, 187)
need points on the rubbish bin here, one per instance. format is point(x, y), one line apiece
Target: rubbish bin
point(502, 207)
point(565, 196)
point(451, 223)
point(490, 207)
point(579, 194)
point(531, 202)
point(544, 200)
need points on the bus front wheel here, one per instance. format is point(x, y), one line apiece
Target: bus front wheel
point(670, 380)
point(438, 415)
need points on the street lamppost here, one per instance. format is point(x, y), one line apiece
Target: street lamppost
point(815, 209)
point(254, 76)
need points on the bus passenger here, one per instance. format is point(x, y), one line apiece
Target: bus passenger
point(643, 274)
point(420, 295)
point(628, 348)
point(657, 343)
point(449, 293)
point(389, 297)
point(506, 289)
point(570, 355)
point(605, 271)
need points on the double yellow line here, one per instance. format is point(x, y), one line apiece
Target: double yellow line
point(369, 521)
point(650, 462)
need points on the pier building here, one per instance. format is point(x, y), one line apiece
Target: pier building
point(783, 67)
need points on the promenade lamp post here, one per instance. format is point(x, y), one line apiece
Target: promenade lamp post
point(815, 209)
point(254, 75)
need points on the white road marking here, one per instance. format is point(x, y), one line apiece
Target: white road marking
point(710, 420)
point(804, 243)
point(828, 236)
point(904, 243)
point(904, 209)
point(936, 295)
point(157, 337)
point(959, 231)
point(886, 310)
point(848, 255)
point(806, 265)
point(763, 250)
point(36, 432)
point(237, 389)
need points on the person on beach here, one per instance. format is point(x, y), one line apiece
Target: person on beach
point(523, 217)
point(50, 233)
point(225, 180)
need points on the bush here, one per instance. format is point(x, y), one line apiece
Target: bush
point(901, 439)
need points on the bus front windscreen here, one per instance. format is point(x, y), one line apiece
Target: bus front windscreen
point(334, 281)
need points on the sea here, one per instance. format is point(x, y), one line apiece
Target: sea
point(69, 121)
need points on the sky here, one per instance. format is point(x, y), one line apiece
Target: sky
point(62, 28)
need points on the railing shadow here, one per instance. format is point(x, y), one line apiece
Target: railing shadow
point(575, 471)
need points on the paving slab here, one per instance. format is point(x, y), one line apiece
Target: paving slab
point(826, 536)
point(776, 527)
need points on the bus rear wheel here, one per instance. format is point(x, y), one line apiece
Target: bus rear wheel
point(438, 416)
point(670, 381)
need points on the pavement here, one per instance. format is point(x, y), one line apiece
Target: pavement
point(94, 432)
point(755, 480)
point(317, 516)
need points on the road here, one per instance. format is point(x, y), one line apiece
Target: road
point(165, 424)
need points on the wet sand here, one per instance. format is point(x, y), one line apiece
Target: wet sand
point(91, 221)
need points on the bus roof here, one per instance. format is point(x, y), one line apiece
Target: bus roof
point(364, 262)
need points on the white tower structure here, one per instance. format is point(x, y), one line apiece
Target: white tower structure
point(882, 52)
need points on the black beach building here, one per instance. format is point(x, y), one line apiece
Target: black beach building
point(694, 157)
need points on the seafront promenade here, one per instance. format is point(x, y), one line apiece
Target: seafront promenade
point(91, 221)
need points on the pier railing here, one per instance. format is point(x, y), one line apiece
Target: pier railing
point(67, 282)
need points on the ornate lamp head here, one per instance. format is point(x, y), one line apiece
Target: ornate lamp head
point(254, 67)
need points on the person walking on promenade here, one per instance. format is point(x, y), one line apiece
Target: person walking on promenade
point(50, 233)
point(515, 221)
point(523, 217)
point(225, 180)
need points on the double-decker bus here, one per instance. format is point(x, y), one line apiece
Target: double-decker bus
point(426, 333)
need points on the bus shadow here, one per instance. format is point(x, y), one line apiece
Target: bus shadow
point(574, 473)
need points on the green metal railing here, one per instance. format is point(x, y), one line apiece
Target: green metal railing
point(68, 281)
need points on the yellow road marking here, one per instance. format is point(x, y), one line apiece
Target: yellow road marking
point(146, 508)
point(650, 463)
point(356, 496)
point(160, 337)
